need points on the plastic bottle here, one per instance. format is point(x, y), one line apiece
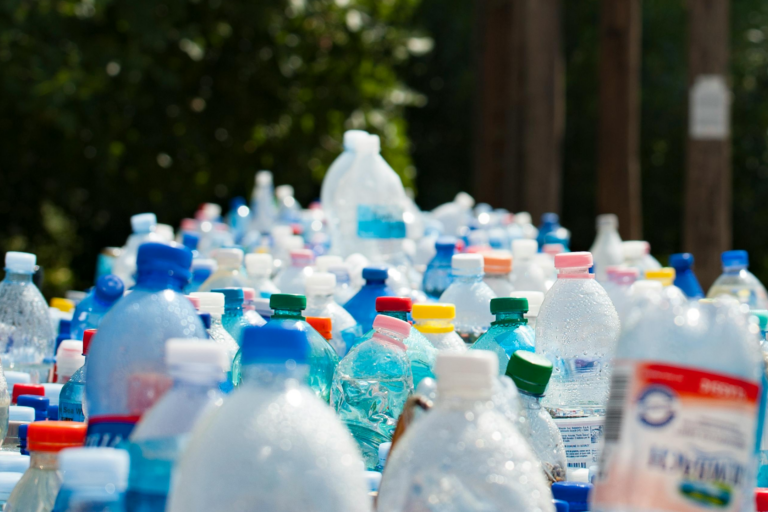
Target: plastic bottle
point(577, 330)
point(534, 305)
point(685, 394)
point(37, 489)
point(526, 275)
point(497, 267)
point(259, 267)
point(371, 385)
point(550, 223)
point(213, 304)
point(7, 483)
point(287, 207)
point(362, 306)
point(463, 454)
point(26, 336)
point(621, 291)
point(509, 332)
point(228, 272)
point(434, 321)
point(606, 249)
point(69, 359)
point(437, 276)
point(159, 439)
point(344, 290)
point(455, 215)
point(737, 281)
point(94, 479)
point(202, 268)
point(320, 303)
point(634, 255)
point(144, 225)
point(530, 373)
point(71, 399)
point(89, 312)
point(234, 320)
point(292, 278)
point(666, 276)
point(17, 416)
point(685, 279)
point(252, 316)
point(119, 389)
point(270, 427)
point(471, 296)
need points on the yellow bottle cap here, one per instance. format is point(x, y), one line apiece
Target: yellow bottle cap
point(433, 311)
point(64, 305)
point(666, 275)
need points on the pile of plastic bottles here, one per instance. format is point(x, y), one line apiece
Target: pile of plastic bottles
point(362, 354)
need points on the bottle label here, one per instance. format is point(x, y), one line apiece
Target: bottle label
point(380, 221)
point(110, 430)
point(71, 411)
point(676, 439)
point(582, 438)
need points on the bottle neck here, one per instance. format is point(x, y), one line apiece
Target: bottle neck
point(531, 401)
point(375, 282)
point(17, 277)
point(390, 339)
point(155, 280)
point(574, 273)
point(400, 315)
point(197, 378)
point(467, 276)
point(233, 310)
point(319, 299)
point(287, 314)
point(510, 318)
point(734, 269)
point(434, 326)
point(44, 460)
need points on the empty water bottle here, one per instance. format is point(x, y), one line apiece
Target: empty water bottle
point(94, 479)
point(606, 249)
point(263, 209)
point(69, 359)
point(233, 320)
point(71, 398)
point(471, 296)
point(8, 482)
point(685, 278)
point(143, 225)
point(362, 306)
point(213, 304)
point(228, 273)
point(737, 281)
point(666, 276)
point(320, 302)
point(526, 275)
point(437, 276)
point(260, 267)
point(89, 312)
point(497, 267)
point(435, 322)
point(509, 332)
point(292, 278)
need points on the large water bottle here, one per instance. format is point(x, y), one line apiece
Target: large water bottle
point(260, 267)
point(435, 322)
point(143, 225)
point(263, 210)
point(685, 279)
point(292, 278)
point(126, 371)
point(683, 410)
point(606, 249)
point(577, 331)
point(526, 275)
point(228, 273)
point(737, 281)
point(437, 276)
point(362, 306)
point(275, 431)
point(89, 312)
point(471, 296)
point(71, 398)
point(463, 454)
point(162, 434)
point(497, 266)
point(550, 224)
point(94, 479)
point(509, 332)
point(213, 304)
point(26, 336)
point(320, 302)
point(371, 385)
point(202, 268)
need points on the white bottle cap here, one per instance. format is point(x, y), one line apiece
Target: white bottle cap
point(352, 138)
point(293, 243)
point(320, 283)
point(371, 144)
point(633, 249)
point(13, 378)
point(264, 178)
point(464, 200)
point(204, 263)
point(94, 467)
point(524, 249)
point(373, 479)
point(20, 261)
point(7, 483)
point(323, 263)
point(21, 413)
point(143, 222)
point(468, 374)
point(580, 475)
point(259, 265)
point(210, 302)
point(280, 232)
point(534, 300)
point(11, 462)
point(608, 220)
point(196, 353)
point(523, 218)
point(228, 257)
point(283, 191)
point(69, 358)
point(53, 390)
point(165, 232)
point(210, 211)
point(645, 287)
point(467, 262)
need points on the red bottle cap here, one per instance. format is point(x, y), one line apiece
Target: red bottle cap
point(26, 389)
point(403, 304)
point(321, 325)
point(761, 499)
point(54, 436)
point(87, 335)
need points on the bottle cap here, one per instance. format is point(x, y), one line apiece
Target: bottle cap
point(94, 467)
point(375, 273)
point(7, 483)
point(259, 264)
point(575, 493)
point(371, 144)
point(509, 305)
point(54, 436)
point(399, 304)
point(233, 297)
point(261, 305)
point(171, 258)
point(325, 262)
point(666, 275)
point(607, 220)
point(524, 249)
point(393, 325)
point(320, 283)
point(373, 480)
point(561, 506)
point(553, 249)
point(469, 374)
point(87, 337)
point(53, 412)
point(497, 263)
point(69, 357)
point(352, 138)
point(550, 218)
point(464, 200)
point(762, 318)
point(633, 249)
point(573, 260)
point(63, 305)
point(433, 312)
point(20, 262)
point(248, 295)
point(283, 191)
point(467, 262)
point(645, 287)
point(264, 178)
point(534, 301)
point(143, 222)
point(13, 462)
point(52, 392)
point(204, 264)
point(190, 240)
point(271, 344)
point(196, 353)
point(195, 301)
point(446, 243)
point(109, 288)
point(209, 302)
point(529, 371)
point(302, 257)
point(209, 212)
point(38, 403)
point(288, 301)
point(626, 273)
point(735, 259)
point(231, 257)
point(761, 500)
point(681, 261)
point(322, 325)
point(22, 413)
point(291, 243)
point(523, 218)
point(27, 389)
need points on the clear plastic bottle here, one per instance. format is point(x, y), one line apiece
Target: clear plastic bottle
point(119, 388)
point(497, 267)
point(228, 272)
point(535, 300)
point(456, 214)
point(634, 256)
point(26, 336)
point(531, 372)
point(737, 281)
point(683, 410)
point(71, 398)
point(234, 320)
point(202, 268)
point(213, 304)
point(371, 385)
point(463, 454)
point(89, 312)
point(437, 276)
point(509, 332)
point(37, 489)
point(252, 316)
point(159, 439)
point(685, 278)
point(320, 303)
point(8, 482)
point(435, 322)
point(362, 306)
point(94, 479)
point(143, 225)
point(263, 209)
point(526, 275)
point(292, 278)
point(287, 207)
point(344, 289)
point(666, 276)
point(620, 291)
point(275, 431)
point(69, 359)
point(259, 267)
point(471, 296)
point(606, 249)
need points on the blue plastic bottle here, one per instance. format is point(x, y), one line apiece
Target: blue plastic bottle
point(65, 327)
point(509, 332)
point(73, 392)
point(685, 279)
point(437, 276)
point(190, 241)
point(738, 282)
point(362, 306)
point(93, 479)
point(550, 223)
point(127, 371)
point(234, 320)
point(89, 312)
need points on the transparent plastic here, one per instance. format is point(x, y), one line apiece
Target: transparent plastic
point(508, 333)
point(226, 276)
point(441, 335)
point(291, 279)
point(542, 434)
point(740, 283)
point(71, 399)
point(472, 298)
point(499, 283)
point(606, 249)
point(344, 329)
point(437, 276)
point(37, 489)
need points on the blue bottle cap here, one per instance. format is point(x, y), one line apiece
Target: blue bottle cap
point(735, 259)
point(446, 243)
point(561, 506)
point(550, 218)
point(38, 403)
point(274, 345)
point(53, 412)
point(575, 493)
point(232, 296)
point(171, 258)
point(190, 240)
point(65, 327)
point(206, 319)
point(681, 261)
point(375, 273)
point(109, 288)
point(23, 428)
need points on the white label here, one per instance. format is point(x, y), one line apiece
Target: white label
point(709, 114)
point(582, 438)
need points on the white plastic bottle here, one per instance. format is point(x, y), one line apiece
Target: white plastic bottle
point(526, 275)
point(143, 225)
point(606, 250)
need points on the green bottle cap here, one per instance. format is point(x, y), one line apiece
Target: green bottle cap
point(762, 318)
point(287, 301)
point(509, 305)
point(529, 371)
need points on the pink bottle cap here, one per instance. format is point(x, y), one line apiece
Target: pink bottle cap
point(611, 271)
point(302, 256)
point(626, 273)
point(392, 324)
point(249, 294)
point(573, 260)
